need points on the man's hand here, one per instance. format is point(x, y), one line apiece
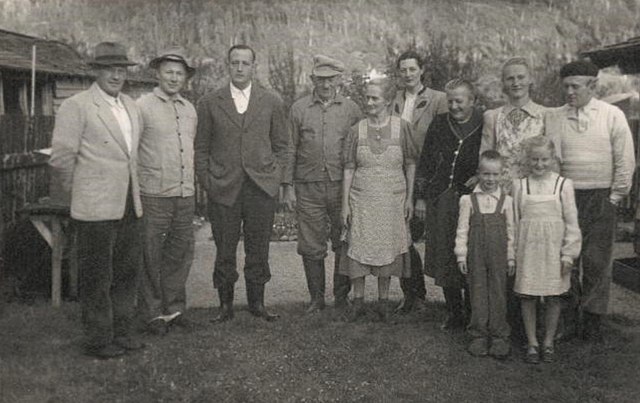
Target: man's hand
point(289, 198)
point(462, 266)
point(511, 267)
point(421, 209)
point(566, 268)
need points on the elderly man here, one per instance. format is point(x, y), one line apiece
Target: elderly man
point(596, 149)
point(241, 150)
point(165, 167)
point(93, 170)
point(418, 105)
point(320, 121)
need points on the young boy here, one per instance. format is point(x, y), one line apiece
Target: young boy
point(485, 253)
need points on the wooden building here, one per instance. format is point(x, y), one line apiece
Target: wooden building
point(60, 72)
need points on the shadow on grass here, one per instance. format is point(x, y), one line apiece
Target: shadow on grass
point(320, 357)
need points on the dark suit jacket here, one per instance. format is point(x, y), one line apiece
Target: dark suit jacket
point(91, 167)
point(230, 147)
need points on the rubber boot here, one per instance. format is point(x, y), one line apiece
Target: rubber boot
point(341, 284)
point(225, 293)
point(314, 271)
point(255, 299)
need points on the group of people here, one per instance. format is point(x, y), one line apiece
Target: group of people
point(522, 190)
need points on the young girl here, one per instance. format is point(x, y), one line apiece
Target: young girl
point(548, 242)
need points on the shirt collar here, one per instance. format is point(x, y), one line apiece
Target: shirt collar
point(495, 194)
point(315, 99)
point(165, 97)
point(111, 100)
point(531, 108)
point(573, 112)
point(235, 91)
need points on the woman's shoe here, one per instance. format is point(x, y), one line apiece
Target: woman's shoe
point(548, 354)
point(533, 355)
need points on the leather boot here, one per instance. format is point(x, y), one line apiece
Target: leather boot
point(341, 284)
point(255, 298)
point(314, 271)
point(225, 293)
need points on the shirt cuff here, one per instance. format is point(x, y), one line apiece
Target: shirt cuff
point(461, 259)
point(567, 259)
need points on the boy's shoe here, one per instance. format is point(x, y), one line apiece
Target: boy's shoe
point(128, 343)
point(478, 347)
point(548, 354)
point(500, 348)
point(157, 327)
point(104, 352)
point(533, 355)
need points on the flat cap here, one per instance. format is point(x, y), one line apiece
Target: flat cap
point(579, 68)
point(324, 66)
point(173, 54)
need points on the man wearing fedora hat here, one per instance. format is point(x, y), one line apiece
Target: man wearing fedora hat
point(320, 121)
point(94, 171)
point(595, 146)
point(165, 168)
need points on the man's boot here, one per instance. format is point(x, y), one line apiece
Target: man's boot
point(341, 284)
point(225, 293)
point(255, 298)
point(314, 271)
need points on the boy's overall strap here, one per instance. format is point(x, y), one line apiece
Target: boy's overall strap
point(474, 202)
point(500, 203)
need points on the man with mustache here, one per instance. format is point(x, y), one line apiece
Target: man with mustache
point(418, 105)
point(596, 151)
point(165, 166)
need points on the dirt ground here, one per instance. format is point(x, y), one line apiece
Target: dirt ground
point(288, 284)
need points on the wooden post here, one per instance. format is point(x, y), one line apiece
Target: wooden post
point(56, 261)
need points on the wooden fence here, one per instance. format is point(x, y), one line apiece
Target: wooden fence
point(23, 172)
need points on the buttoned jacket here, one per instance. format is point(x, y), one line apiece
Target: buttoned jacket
point(428, 104)
point(92, 167)
point(232, 147)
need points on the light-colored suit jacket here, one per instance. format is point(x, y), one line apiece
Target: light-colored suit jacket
point(91, 165)
point(429, 103)
point(231, 148)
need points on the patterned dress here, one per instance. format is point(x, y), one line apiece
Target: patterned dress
point(378, 238)
point(505, 129)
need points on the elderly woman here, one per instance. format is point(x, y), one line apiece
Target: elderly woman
point(377, 199)
point(520, 118)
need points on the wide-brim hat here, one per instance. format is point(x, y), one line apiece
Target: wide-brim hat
point(110, 54)
point(173, 54)
point(325, 66)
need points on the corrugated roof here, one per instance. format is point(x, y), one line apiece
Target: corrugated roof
point(51, 56)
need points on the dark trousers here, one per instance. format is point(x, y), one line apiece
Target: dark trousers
point(413, 286)
point(252, 213)
point(597, 220)
point(318, 207)
point(168, 254)
point(109, 260)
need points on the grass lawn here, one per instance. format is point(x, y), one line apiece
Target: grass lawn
point(303, 358)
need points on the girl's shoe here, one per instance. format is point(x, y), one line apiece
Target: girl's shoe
point(548, 354)
point(533, 355)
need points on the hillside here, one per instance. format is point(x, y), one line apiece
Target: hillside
point(462, 37)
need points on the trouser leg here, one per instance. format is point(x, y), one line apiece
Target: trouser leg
point(478, 290)
point(95, 250)
point(178, 255)
point(225, 224)
point(258, 209)
point(497, 294)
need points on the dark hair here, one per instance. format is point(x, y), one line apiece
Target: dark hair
point(241, 47)
point(387, 86)
point(460, 82)
point(410, 54)
point(490, 155)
